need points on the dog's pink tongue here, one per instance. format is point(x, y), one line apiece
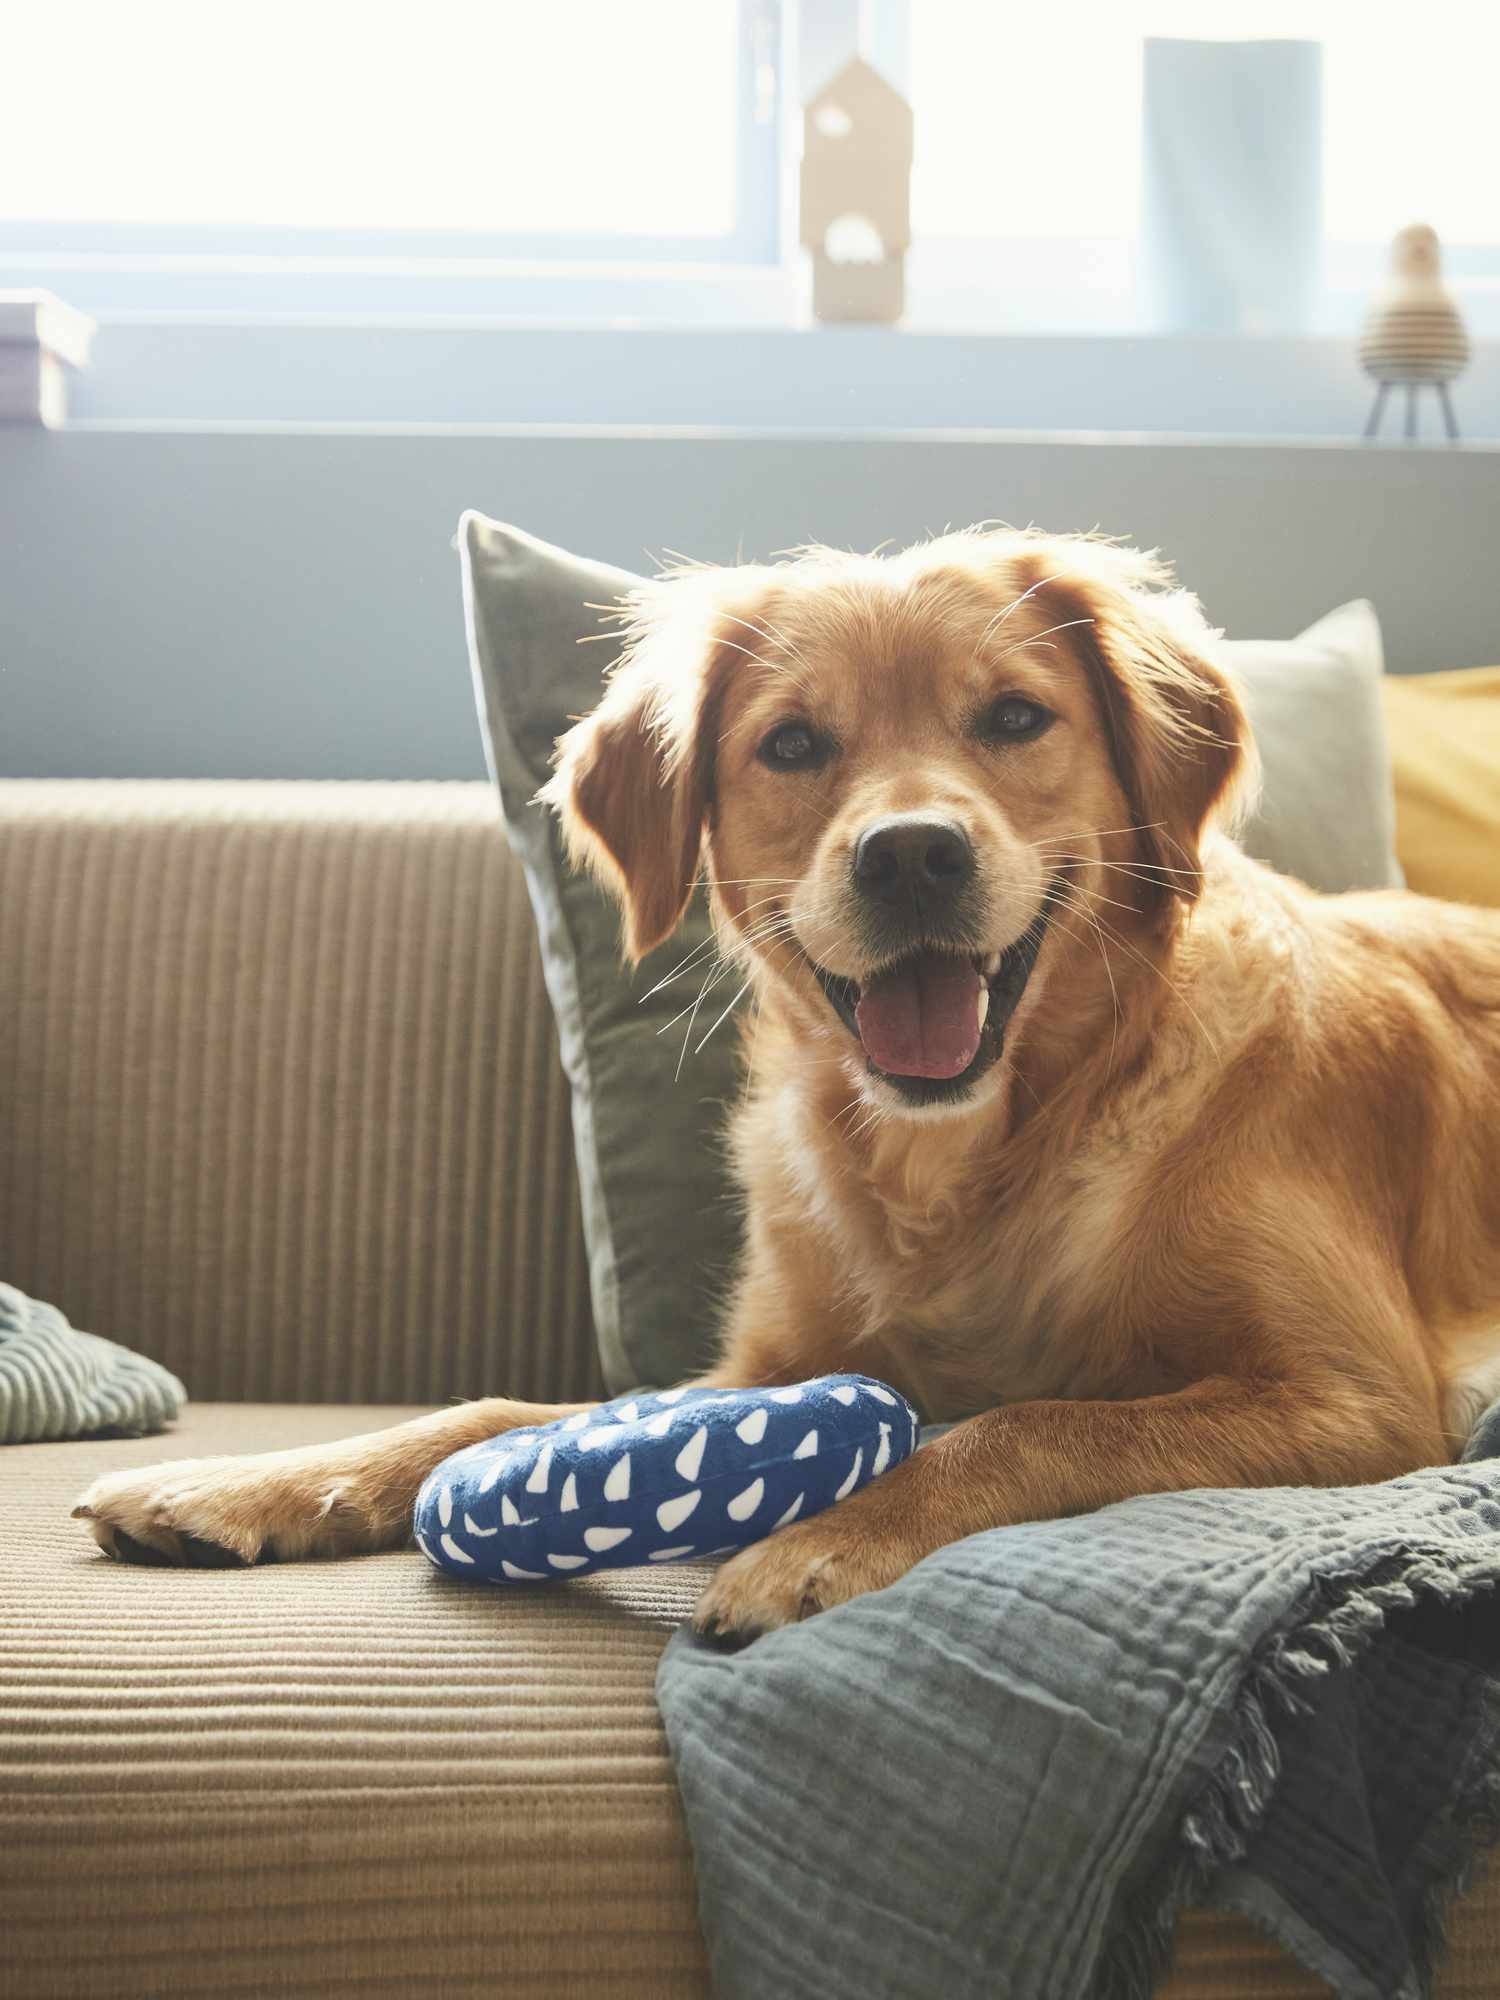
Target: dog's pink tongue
point(921, 1018)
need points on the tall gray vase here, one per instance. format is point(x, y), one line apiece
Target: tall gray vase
point(1232, 187)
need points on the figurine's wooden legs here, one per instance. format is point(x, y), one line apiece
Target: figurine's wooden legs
point(1450, 421)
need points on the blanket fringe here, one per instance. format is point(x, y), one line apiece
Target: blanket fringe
point(1345, 1616)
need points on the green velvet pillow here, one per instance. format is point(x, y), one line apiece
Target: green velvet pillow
point(658, 1211)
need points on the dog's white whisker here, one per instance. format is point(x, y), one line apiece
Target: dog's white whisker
point(1021, 644)
point(1054, 851)
point(711, 980)
point(724, 1016)
point(709, 944)
point(1099, 897)
point(688, 1033)
point(1001, 616)
point(1099, 832)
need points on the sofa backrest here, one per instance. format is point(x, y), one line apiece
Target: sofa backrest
point(280, 1098)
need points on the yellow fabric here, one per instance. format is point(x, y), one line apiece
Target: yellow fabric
point(1445, 751)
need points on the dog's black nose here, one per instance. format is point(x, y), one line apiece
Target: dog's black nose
point(913, 859)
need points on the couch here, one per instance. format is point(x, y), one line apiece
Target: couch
point(280, 1104)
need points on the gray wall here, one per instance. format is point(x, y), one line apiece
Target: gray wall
point(202, 601)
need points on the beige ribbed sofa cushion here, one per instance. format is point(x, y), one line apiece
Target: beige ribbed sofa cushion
point(280, 1100)
point(326, 1778)
point(363, 1778)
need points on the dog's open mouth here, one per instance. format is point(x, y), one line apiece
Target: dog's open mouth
point(935, 1019)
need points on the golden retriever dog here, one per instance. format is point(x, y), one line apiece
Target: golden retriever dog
point(1154, 1167)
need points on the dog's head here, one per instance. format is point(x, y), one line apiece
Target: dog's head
point(898, 773)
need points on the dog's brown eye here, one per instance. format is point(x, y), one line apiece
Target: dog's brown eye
point(1013, 718)
point(793, 746)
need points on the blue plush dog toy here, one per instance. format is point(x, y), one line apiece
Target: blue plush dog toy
point(658, 1477)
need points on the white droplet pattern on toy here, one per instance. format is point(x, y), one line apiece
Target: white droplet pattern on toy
point(600, 1539)
point(672, 1513)
point(848, 1486)
point(541, 1471)
point(690, 1458)
point(767, 1469)
point(617, 1486)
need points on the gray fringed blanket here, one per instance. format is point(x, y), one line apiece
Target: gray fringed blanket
point(1005, 1774)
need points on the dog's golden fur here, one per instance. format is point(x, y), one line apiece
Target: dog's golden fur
point(1224, 1209)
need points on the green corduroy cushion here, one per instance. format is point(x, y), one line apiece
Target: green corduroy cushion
point(56, 1382)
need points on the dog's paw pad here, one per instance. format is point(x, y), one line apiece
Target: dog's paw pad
point(128, 1549)
point(199, 1554)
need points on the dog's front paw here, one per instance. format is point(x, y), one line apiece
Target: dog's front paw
point(795, 1573)
point(218, 1512)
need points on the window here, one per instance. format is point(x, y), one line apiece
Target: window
point(1027, 180)
point(590, 158)
point(336, 130)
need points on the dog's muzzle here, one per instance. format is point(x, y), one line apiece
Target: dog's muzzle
point(933, 1020)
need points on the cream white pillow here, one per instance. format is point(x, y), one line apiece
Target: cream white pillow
point(1327, 810)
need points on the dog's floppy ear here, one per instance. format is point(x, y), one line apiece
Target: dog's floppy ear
point(633, 786)
point(1176, 728)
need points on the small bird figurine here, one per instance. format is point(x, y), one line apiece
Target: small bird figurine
point(1415, 334)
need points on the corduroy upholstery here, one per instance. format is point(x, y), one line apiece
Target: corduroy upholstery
point(280, 1101)
point(325, 1778)
point(280, 1105)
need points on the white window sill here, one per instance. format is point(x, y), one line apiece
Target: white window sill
point(438, 370)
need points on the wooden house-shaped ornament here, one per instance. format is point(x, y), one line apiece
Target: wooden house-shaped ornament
point(856, 195)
